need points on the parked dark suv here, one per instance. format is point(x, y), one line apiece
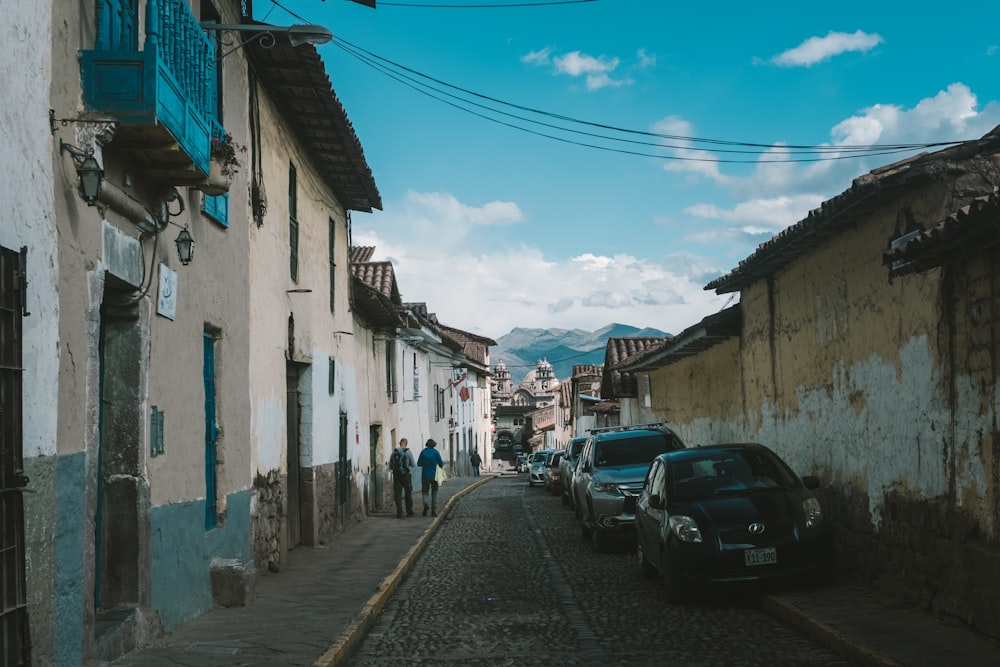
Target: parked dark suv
point(609, 477)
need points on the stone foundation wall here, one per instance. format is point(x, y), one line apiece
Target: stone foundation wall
point(325, 502)
point(267, 522)
point(925, 552)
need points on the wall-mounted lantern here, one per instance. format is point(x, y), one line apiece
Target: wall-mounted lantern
point(185, 246)
point(88, 170)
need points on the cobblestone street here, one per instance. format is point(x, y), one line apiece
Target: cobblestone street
point(507, 580)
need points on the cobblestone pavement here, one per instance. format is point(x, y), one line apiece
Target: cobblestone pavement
point(508, 580)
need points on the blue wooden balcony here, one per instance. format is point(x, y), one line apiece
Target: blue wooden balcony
point(164, 95)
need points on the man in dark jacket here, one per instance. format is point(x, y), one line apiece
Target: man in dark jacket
point(401, 463)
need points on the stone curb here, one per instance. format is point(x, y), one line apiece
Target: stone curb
point(856, 652)
point(348, 640)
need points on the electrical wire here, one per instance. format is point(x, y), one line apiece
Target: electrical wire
point(557, 361)
point(402, 74)
point(691, 149)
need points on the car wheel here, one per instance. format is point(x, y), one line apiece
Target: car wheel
point(671, 580)
point(648, 569)
point(600, 540)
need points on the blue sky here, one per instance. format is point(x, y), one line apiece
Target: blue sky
point(496, 227)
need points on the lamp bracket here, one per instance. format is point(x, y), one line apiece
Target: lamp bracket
point(78, 154)
point(64, 122)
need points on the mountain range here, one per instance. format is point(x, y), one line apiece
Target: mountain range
point(523, 348)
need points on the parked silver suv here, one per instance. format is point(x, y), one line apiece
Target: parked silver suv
point(609, 476)
point(567, 467)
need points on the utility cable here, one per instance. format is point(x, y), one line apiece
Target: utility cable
point(827, 152)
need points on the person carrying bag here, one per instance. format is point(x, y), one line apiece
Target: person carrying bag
point(430, 462)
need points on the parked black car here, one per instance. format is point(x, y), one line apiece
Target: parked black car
point(729, 513)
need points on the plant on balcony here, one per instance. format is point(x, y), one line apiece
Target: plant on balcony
point(224, 150)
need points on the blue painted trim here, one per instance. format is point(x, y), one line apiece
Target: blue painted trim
point(69, 559)
point(181, 553)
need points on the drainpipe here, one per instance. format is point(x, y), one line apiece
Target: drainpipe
point(120, 201)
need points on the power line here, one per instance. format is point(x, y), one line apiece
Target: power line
point(417, 81)
point(792, 153)
point(556, 361)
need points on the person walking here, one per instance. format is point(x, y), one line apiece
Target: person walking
point(401, 463)
point(429, 460)
point(475, 460)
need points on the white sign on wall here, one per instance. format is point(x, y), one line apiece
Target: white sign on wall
point(166, 302)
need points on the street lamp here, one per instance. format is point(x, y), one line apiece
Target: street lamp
point(298, 34)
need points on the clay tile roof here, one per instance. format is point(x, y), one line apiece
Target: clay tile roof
point(361, 254)
point(709, 332)
point(971, 229)
point(301, 90)
point(866, 193)
point(379, 276)
point(617, 383)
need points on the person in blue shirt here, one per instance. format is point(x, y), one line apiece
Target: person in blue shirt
point(429, 460)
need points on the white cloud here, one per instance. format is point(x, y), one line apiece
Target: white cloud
point(689, 160)
point(596, 71)
point(775, 195)
point(441, 205)
point(759, 216)
point(644, 59)
point(519, 285)
point(540, 57)
point(818, 49)
point(575, 63)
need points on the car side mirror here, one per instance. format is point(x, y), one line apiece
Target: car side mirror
point(811, 482)
point(655, 502)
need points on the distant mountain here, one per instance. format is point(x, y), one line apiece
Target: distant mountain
point(522, 348)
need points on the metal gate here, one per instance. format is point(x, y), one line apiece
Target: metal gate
point(15, 647)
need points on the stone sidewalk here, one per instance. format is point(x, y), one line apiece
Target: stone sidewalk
point(318, 607)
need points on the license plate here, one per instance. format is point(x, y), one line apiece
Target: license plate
point(765, 556)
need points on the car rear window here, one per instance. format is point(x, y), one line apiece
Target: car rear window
point(726, 472)
point(633, 450)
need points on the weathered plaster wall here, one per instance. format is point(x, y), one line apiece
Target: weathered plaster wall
point(700, 395)
point(291, 320)
point(27, 191)
point(888, 392)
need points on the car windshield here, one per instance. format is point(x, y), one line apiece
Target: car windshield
point(727, 472)
point(632, 450)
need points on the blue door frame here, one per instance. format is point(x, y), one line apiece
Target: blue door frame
point(211, 433)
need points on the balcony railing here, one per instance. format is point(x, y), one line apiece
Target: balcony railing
point(164, 95)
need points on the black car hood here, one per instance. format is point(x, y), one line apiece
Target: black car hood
point(730, 511)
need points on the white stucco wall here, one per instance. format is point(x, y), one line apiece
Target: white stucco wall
point(27, 190)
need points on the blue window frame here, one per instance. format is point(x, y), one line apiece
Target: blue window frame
point(217, 208)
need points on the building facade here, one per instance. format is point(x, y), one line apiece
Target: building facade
point(864, 351)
